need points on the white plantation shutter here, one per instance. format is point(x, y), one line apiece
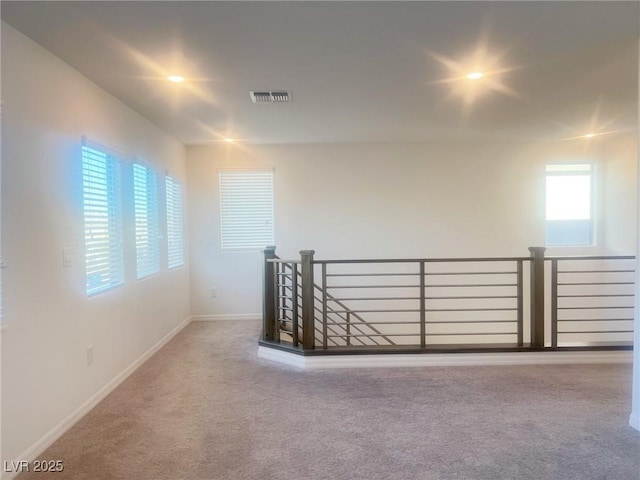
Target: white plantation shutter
point(246, 209)
point(102, 220)
point(145, 200)
point(175, 223)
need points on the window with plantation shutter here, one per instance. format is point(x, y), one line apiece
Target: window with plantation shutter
point(175, 223)
point(246, 209)
point(102, 220)
point(145, 200)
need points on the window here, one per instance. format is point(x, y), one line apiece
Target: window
point(145, 200)
point(569, 204)
point(175, 223)
point(102, 220)
point(246, 209)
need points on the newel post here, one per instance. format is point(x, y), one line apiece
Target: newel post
point(269, 296)
point(308, 313)
point(537, 296)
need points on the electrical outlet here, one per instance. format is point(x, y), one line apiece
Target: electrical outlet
point(67, 257)
point(90, 355)
point(214, 292)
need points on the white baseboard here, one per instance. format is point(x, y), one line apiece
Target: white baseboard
point(634, 420)
point(442, 359)
point(52, 435)
point(279, 356)
point(226, 316)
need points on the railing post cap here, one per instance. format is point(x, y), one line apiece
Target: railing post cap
point(307, 252)
point(270, 249)
point(537, 249)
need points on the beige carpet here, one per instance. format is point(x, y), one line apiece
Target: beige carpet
point(205, 407)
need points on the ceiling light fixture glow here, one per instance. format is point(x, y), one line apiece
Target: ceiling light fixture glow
point(589, 135)
point(475, 75)
point(175, 78)
point(228, 140)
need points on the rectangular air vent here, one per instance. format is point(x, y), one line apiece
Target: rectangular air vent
point(265, 96)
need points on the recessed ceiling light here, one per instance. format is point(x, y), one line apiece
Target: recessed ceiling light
point(228, 140)
point(589, 135)
point(175, 78)
point(475, 75)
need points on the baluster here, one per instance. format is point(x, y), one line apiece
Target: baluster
point(537, 296)
point(269, 293)
point(423, 316)
point(308, 314)
point(554, 303)
point(520, 302)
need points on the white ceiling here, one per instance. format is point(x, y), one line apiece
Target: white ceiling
point(359, 71)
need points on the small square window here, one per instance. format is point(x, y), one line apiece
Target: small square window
point(569, 209)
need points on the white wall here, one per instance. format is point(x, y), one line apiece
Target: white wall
point(1, 262)
point(619, 189)
point(398, 200)
point(634, 417)
point(49, 321)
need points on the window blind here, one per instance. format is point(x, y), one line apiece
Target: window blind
point(102, 220)
point(175, 223)
point(145, 199)
point(246, 209)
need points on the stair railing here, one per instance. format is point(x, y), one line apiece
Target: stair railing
point(284, 302)
point(310, 316)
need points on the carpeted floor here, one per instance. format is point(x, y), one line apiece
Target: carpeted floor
point(205, 407)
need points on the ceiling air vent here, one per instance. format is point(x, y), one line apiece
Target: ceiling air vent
point(264, 96)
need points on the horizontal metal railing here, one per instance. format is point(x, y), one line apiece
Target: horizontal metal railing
point(288, 300)
point(592, 300)
point(415, 301)
point(447, 303)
